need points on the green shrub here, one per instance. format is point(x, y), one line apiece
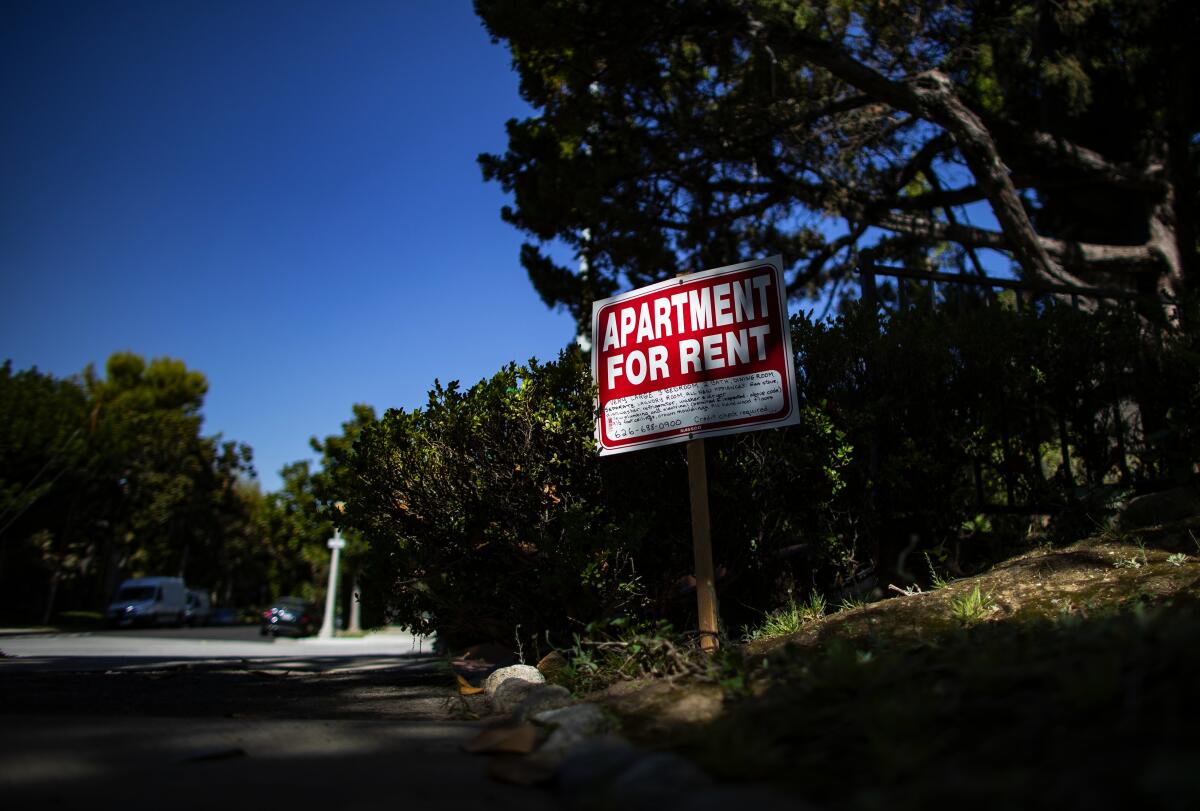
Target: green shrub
point(481, 508)
point(489, 507)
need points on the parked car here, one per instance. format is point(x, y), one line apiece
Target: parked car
point(199, 608)
point(223, 616)
point(292, 616)
point(148, 601)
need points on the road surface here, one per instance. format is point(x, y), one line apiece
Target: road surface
point(222, 718)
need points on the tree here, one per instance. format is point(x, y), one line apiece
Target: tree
point(45, 516)
point(331, 487)
point(294, 527)
point(102, 477)
point(703, 132)
point(157, 474)
point(296, 521)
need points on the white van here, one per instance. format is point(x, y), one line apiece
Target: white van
point(149, 601)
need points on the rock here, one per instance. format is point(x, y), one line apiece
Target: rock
point(542, 698)
point(571, 726)
point(760, 798)
point(518, 740)
point(590, 767)
point(658, 780)
point(511, 693)
point(520, 771)
point(1160, 508)
point(551, 663)
point(521, 672)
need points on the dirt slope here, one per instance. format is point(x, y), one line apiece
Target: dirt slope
point(1061, 677)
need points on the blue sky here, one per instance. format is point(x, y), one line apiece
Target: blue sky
point(284, 195)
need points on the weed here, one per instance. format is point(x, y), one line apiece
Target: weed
point(1112, 532)
point(851, 603)
point(1177, 559)
point(972, 606)
point(1136, 561)
point(789, 619)
point(814, 609)
point(935, 579)
point(613, 651)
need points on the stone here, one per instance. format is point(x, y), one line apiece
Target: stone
point(551, 664)
point(1153, 509)
point(522, 672)
point(591, 766)
point(510, 694)
point(571, 726)
point(518, 740)
point(758, 797)
point(520, 771)
point(656, 781)
point(542, 698)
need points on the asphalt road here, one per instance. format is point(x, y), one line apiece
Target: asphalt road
point(223, 718)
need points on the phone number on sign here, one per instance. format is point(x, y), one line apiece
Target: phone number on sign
point(644, 428)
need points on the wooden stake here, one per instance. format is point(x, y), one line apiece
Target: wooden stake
point(706, 587)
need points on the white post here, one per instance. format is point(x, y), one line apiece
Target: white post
point(335, 543)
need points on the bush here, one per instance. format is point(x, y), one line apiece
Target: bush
point(489, 510)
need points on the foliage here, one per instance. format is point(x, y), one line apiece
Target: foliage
point(828, 130)
point(935, 579)
point(480, 509)
point(971, 606)
point(490, 509)
point(618, 650)
point(789, 619)
point(107, 476)
point(955, 410)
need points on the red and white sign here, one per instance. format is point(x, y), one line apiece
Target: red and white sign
point(700, 355)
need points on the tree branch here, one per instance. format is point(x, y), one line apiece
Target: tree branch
point(1080, 255)
point(931, 96)
point(1091, 163)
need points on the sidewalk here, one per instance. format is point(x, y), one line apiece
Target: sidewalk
point(171, 647)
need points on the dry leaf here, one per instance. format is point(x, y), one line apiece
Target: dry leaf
point(465, 688)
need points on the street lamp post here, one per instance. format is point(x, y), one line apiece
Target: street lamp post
point(335, 543)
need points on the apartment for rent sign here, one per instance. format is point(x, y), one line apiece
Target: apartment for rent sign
point(701, 355)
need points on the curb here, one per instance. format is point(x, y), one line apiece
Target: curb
point(574, 751)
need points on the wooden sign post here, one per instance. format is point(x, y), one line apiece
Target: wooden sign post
point(706, 583)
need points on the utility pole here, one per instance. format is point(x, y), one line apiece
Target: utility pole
point(335, 543)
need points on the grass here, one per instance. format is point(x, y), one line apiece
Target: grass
point(616, 650)
point(972, 606)
point(935, 579)
point(1053, 680)
point(789, 619)
point(1090, 711)
point(1134, 561)
point(851, 603)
